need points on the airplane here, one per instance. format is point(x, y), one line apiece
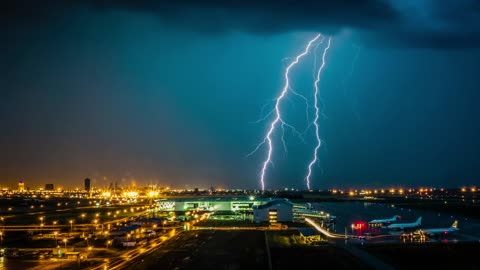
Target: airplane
point(402, 226)
point(438, 231)
point(385, 221)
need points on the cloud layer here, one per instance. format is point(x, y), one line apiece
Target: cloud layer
point(416, 23)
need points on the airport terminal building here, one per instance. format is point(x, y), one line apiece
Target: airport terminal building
point(273, 212)
point(264, 209)
point(211, 204)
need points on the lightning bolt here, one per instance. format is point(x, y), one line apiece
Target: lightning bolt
point(278, 116)
point(317, 112)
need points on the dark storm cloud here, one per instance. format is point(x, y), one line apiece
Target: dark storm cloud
point(269, 16)
point(416, 23)
point(223, 15)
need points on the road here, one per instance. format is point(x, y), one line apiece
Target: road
point(75, 227)
point(129, 256)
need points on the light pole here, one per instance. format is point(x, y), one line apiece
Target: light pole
point(1, 239)
point(41, 223)
point(71, 226)
point(83, 221)
point(95, 221)
point(55, 233)
point(65, 241)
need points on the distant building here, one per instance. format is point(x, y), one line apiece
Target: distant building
point(87, 184)
point(21, 186)
point(49, 187)
point(273, 212)
point(210, 204)
point(264, 209)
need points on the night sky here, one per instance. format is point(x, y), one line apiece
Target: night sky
point(167, 92)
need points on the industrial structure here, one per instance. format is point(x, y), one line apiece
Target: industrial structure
point(21, 186)
point(87, 184)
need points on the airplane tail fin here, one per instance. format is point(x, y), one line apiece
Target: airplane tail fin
point(419, 221)
point(455, 224)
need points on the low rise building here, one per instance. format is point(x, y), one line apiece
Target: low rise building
point(273, 212)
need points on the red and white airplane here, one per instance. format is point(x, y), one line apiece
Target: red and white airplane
point(403, 226)
point(386, 221)
point(439, 231)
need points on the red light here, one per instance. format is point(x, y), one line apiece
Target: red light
point(359, 225)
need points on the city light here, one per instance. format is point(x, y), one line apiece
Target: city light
point(152, 194)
